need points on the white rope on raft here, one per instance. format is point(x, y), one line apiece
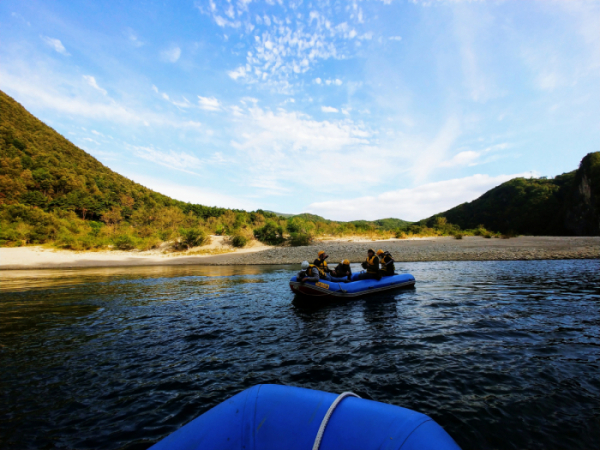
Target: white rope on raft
point(336, 402)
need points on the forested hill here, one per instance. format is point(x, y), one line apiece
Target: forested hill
point(41, 168)
point(568, 204)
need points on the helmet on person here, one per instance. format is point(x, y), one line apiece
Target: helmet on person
point(321, 252)
point(345, 262)
point(379, 252)
point(305, 265)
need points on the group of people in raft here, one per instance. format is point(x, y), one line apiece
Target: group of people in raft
point(378, 264)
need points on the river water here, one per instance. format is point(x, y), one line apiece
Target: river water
point(503, 355)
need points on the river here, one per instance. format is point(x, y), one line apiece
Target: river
point(503, 355)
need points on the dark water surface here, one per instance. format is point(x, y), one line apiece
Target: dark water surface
point(502, 354)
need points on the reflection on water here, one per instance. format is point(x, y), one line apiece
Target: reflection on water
point(15, 280)
point(502, 354)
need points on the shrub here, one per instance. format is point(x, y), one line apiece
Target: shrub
point(165, 235)
point(66, 241)
point(401, 234)
point(41, 234)
point(193, 237)
point(239, 241)
point(300, 239)
point(270, 233)
point(124, 242)
point(96, 227)
point(148, 243)
point(458, 235)
point(87, 243)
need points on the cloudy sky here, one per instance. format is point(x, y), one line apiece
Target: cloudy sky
point(350, 110)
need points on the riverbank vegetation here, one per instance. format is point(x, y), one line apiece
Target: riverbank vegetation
point(148, 228)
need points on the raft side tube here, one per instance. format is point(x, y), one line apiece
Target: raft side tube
point(273, 417)
point(352, 289)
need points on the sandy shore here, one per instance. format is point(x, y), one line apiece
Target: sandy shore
point(425, 249)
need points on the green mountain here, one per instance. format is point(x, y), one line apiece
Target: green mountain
point(40, 168)
point(567, 205)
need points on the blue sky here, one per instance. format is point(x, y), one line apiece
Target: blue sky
point(351, 110)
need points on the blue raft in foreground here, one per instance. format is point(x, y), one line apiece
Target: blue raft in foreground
point(355, 288)
point(268, 416)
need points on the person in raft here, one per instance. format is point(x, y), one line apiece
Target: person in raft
point(387, 263)
point(321, 264)
point(371, 264)
point(343, 270)
point(309, 272)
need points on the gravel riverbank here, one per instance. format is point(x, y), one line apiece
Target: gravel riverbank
point(426, 249)
point(435, 249)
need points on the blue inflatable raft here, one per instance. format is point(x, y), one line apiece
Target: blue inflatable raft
point(272, 417)
point(354, 288)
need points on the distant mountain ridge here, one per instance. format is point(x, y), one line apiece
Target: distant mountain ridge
point(567, 205)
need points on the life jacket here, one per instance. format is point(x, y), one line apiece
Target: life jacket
point(385, 258)
point(342, 270)
point(308, 272)
point(371, 266)
point(321, 266)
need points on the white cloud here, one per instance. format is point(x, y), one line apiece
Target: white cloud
point(194, 194)
point(43, 91)
point(175, 160)
point(329, 109)
point(223, 22)
point(471, 157)
point(412, 204)
point(282, 150)
point(395, 38)
point(171, 55)
point(185, 103)
point(336, 81)
point(56, 45)
point(318, 80)
point(240, 72)
point(285, 46)
point(465, 158)
point(92, 82)
point(209, 103)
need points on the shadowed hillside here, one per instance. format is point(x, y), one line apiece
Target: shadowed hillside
point(568, 204)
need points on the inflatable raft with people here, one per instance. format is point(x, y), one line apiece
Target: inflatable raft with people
point(355, 288)
point(273, 417)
